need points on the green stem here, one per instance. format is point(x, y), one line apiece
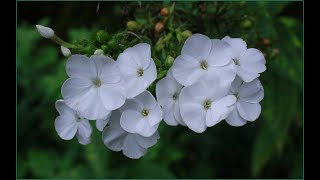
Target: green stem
point(61, 42)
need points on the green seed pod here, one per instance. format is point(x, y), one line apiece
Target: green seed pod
point(246, 24)
point(104, 47)
point(112, 44)
point(133, 26)
point(185, 34)
point(102, 36)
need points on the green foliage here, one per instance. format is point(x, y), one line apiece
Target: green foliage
point(270, 147)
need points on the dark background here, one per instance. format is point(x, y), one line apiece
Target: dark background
point(270, 147)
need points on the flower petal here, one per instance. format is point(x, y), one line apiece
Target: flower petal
point(186, 70)
point(253, 98)
point(252, 60)
point(147, 142)
point(132, 104)
point(235, 86)
point(84, 128)
point(114, 138)
point(144, 128)
point(66, 126)
point(168, 114)
point(108, 70)
point(83, 139)
point(249, 111)
point(247, 89)
point(166, 88)
point(238, 45)
point(197, 46)
point(155, 115)
point(129, 120)
point(115, 119)
point(132, 149)
point(220, 54)
point(112, 96)
point(245, 75)
point(81, 66)
point(177, 114)
point(146, 99)
point(101, 123)
point(194, 116)
point(224, 74)
point(144, 53)
point(234, 118)
point(62, 108)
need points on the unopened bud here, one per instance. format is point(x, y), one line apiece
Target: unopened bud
point(102, 36)
point(164, 12)
point(133, 26)
point(65, 51)
point(98, 52)
point(45, 31)
point(159, 27)
point(185, 34)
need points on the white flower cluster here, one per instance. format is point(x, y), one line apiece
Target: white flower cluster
point(203, 87)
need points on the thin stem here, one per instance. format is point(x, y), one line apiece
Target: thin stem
point(61, 42)
point(134, 34)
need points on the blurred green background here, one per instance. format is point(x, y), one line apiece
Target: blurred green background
point(270, 147)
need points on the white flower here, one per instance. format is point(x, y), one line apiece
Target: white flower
point(247, 107)
point(137, 69)
point(98, 52)
point(249, 62)
point(94, 87)
point(65, 51)
point(168, 91)
point(45, 31)
point(203, 58)
point(70, 123)
point(141, 115)
point(132, 145)
point(204, 104)
point(101, 123)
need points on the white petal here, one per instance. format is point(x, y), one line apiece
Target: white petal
point(74, 90)
point(186, 70)
point(130, 119)
point(224, 74)
point(166, 88)
point(113, 96)
point(235, 86)
point(83, 139)
point(115, 119)
point(155, 115)
point(249, 111)
point(127, 66)
point(252, 60)
point(101, 123)
point(144, 128)
point(144, 52)
point(146, 99)
point(114, 138)
point(66, 126)
point(147, 142)
point(132, 149)
point(238, 45)
point(220, 54)
point(62, 108)
point(197, 46)
point(247, 89)
point(81, 66)
point(84, 128)
point(107, 69)
point(177, 114)
point(234, 118)
point(168, 114)
point(197, 93)
point(45, 31)
point(254, 98)
point(132, 104)
point(245, 75)
point(194, 116)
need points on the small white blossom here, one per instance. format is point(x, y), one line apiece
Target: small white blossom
point(141, 115)
point(132, 145)
point(94, 87)
point(249, 62)
point(137, 69)
point(70, 123)
point(65, 51)
point(247, 107)
point(101, 123)
point(168, 91)
point(205, 104)
point(204, 58)
point(98, 52)
point(45, 31)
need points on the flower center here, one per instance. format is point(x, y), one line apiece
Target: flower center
point(78, 118)
point(236, 61)
point(140, 72)
point(204, 65)
point(207, 104)
point(145, 112)
point(96, 82)
point(175, 96)
point(236, 95)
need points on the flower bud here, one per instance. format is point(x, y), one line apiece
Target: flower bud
point(185, 34)
point(133, 26)
point(164, 12)
point(102, 36)
point(159, 27)
point(45, 31)
point(65, 51)
point(98, 52)
point(169, 61)
point(246, 24)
